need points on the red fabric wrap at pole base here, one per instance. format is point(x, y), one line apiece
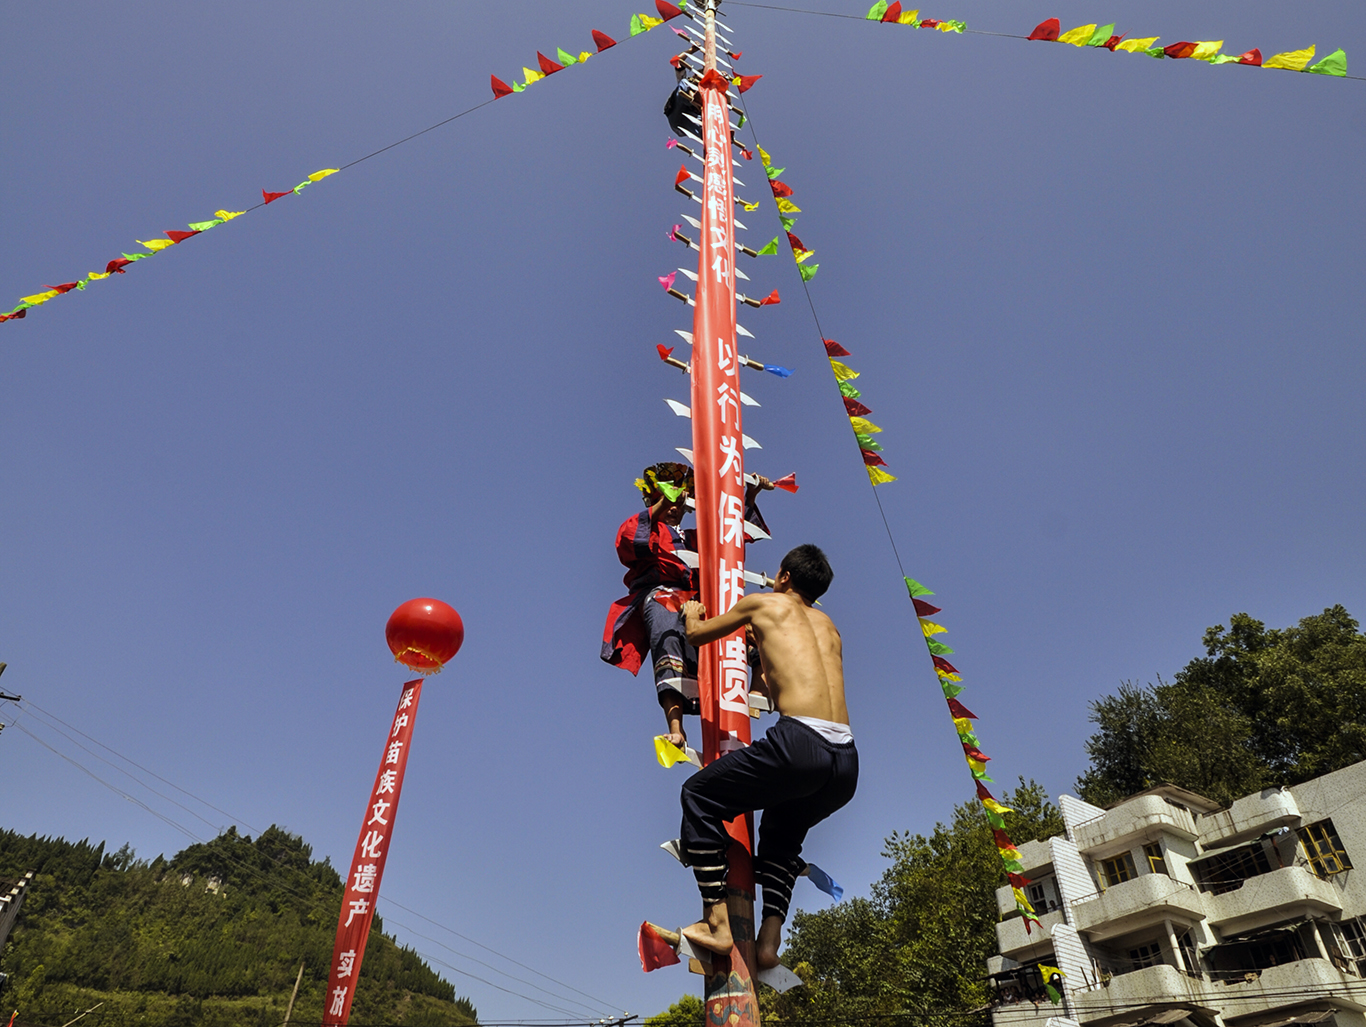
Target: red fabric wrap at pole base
point(367, 863)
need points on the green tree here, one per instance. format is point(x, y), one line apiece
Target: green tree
point(1263, 707)
point(686, 1012)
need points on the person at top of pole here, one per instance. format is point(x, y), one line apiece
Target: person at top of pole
point(649, 618)
point(802, 770)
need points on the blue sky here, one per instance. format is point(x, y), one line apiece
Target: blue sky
point(1107, 310)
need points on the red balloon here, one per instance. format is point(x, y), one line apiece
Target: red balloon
point(424, 633)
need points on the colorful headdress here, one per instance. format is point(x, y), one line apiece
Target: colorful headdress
point(669, 477)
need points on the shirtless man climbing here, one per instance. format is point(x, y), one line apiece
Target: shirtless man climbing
point(800, 772)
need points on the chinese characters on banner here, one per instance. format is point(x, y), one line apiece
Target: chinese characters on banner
point(723, 671)
point(367, 865)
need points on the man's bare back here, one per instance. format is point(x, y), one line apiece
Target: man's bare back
point(798, 644)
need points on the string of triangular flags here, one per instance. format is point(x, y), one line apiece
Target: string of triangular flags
point(949, 679)
point(563, 59)
point(1210, 51)
point(152, 247)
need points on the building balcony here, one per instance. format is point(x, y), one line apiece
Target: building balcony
point(1249, 817)
point(1140, 819)
point(1272, 898)
point(1290, 984)
point(1136, 904)
point(1132, 997)
point(1013, 941)
point(1023, 1014)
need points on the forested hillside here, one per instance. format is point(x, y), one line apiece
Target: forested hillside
point(213, 936)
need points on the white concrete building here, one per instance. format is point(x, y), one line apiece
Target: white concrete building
point(1166, 909)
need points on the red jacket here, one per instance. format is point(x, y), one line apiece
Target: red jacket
point(647, 549)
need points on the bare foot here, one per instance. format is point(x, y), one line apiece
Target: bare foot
point(712, 932)
point(766, 945)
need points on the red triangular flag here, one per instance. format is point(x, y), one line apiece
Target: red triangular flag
point(603, 40)
point(547, 65)
point(975, 752)
point(834, 349)
point(654, 950)
point(857, 409)
point(115, 267)
point(780, 189)
point(666, 10)
point(788, 483)
point(930, 23)
point(65, 287)
point(1001, 839)
point(982, 792)
point(748, 154)
point(771, 298)
point(795, 243)
point(735, 56)
point(682, 175)
point(747, 82)
point(500, 88)
point(676, 61)
point(1047, 30)
point(922, 608)
point(944, 665)
point(959, 710)
point(713, 80)
point(272, 197)
point(175, 236)
point(893, 11)
point(664, 351)
point(1113, 42)
point(1179, 50)
point(1253, 57)
point(872, 459)
point(1017, 880)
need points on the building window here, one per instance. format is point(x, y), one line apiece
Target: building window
point(1353, 938)
point(1156, 863)
point(1189, 955)
point(1323, 848)
point(1117, 868)
point(1145, 955)
point(1228, 870)
point(1038, 898)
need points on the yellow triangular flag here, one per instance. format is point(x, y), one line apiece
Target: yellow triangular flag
point(996, 807)
point(1204, 51)
point(947, 676)
point(787, 206)
point(667, 753)
point(802, 255)
point(228, 215)
point(1049, 971)
point(1079, 36)
point(908, 18)
point(584, 55)
point(763, 156)
point(318, 176)
point(156, 245)
point(878, 476)
point(930, 628)
point(649, 22)
point(843, 372)
point(1291, 60)
point(864, 426)
point(532, 76)
point(38, 297)
point(751, 206)
point(962, 725)
point(1134, 45)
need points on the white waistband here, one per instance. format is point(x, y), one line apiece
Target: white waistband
point(828, 729)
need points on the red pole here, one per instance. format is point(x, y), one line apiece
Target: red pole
point(718, 462)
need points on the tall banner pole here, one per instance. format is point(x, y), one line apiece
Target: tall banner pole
point(367, 863)
point(718, 461)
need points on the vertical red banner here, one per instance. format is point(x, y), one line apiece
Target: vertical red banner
point(367, 864)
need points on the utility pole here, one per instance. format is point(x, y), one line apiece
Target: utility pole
point(289, 1011)
point(718, 462)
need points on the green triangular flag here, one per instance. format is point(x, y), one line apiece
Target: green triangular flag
point(915, 588)
point(996, 820)
point(774, 172)
point(1053, 995)
point(938, 648)
point(959, 26)
point(135, 256)
point(878, 9)
point(204, 226)
point(636, 27)
point(788, 223)
point(565, 58)
point(866, 441)
point(1334, 64)
point(517, 87)
point(1013, 865)
point(1155, 51)
point(21, 306)
point(1102, 35)
point(1224, 58)
point(847, 389)
point(981, 775)
point(808, 271)
point(302, 186)
point(771, 249)
point(950, 689)
point(671, 492)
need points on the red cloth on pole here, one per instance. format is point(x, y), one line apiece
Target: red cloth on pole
point(367, 864)
point(654, 950)
point(893, 11)
point(788, 483)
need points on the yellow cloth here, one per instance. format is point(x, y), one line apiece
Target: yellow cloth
point(1204, 51)
point(996, 807)
point(532, 76)
point(908, 17)
point(584, 55)
point(802, 255)
point(787, 206)
point(1079, 36)
point(962, 725)
point(864, 426)
point(228, 215)
point(1049, 971)
point(95, 276)
point(318, 176)
point(878, 476)
point(751, 206)
point(977, 766)
point(156, 245)
point(843, 372)
point(931, 628)
point(1134, 45)
point(946, 675)
point(649, 22)
point(667, 753)
point(39, 297)
point(944, 26)
point(1291, 60)
point(763, 156)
